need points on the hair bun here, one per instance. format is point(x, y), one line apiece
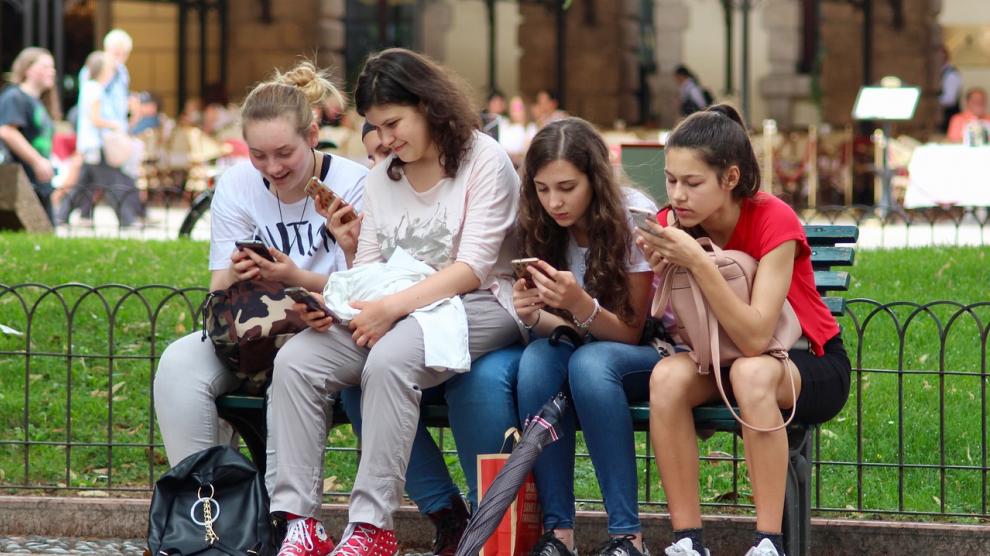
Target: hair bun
point(315, 83)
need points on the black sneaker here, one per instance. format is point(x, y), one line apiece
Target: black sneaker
point(450, 523)
point(622, 546)
point(550, 545)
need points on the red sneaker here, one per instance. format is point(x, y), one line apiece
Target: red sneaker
point(306, 537)
point(363, 539)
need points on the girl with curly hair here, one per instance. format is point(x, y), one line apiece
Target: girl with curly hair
point(591, 277)
point(444, 200)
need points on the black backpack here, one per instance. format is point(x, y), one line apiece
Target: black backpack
point(212, 503)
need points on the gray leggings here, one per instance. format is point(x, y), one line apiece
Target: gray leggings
point(312, 367)
point(187, 384)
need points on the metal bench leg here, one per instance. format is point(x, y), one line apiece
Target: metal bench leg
point(797, 499)
point(250, 424)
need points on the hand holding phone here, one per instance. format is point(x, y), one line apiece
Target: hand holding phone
point(519, 268)
point(643, 219)
point(324, 196)
point(301, 295)
point(258, 247)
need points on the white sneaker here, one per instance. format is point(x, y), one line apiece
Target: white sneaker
point(765, 548)
point(684, 547)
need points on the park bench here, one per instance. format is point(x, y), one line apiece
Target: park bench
point(246, 413)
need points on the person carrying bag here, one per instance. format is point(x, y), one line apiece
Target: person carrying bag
point(713, 183)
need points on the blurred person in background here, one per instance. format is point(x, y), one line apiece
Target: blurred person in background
point(145, 113)
point(27, 108)
point(546, 109)
point(516, 133)
point(970, 126)
point(693, 96)
point(950, 88)
point(97, 121)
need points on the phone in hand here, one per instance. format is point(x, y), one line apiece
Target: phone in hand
point(519, 269)
point(322, 193)
point(643, 218)
point(258, 247)
point(301, 295)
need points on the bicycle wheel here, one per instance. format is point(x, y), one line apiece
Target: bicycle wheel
point(198, 216)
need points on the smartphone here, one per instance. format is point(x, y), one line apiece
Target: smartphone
point(300, 295)
point(258, 247)
point(519, 269)
point(642, 218)
point(322, 193)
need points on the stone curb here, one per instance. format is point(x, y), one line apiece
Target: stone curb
point(127, 518)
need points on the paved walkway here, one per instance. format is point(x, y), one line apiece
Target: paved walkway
point(41, 545)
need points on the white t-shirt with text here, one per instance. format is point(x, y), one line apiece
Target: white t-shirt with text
point(244, 207)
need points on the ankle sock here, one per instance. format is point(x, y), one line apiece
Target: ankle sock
point(697, 539)
point(776, 538)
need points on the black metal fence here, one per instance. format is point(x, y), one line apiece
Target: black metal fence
point(170, 219)
point(77, 364)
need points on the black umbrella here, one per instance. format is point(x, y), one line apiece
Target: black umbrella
point(538, 432)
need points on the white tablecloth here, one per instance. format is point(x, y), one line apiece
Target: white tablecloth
point(948, 175)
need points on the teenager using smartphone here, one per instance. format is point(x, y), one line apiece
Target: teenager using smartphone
point(446, 195)
point(591, 277)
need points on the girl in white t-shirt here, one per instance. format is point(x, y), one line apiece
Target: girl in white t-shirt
point(592, 278)
point(260, 199)
point(446, 196)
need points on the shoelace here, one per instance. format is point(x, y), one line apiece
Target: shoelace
point(763, 549)
point(297, 533)
point(360, 536)
point(615, 546)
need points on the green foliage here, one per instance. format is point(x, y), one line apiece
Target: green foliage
point(91, 401)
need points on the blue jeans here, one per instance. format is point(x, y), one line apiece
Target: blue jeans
point(603, 377)
point(480, 407)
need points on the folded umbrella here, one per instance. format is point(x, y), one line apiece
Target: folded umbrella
point(538, 432)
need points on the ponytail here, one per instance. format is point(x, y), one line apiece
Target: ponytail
point(719, 136)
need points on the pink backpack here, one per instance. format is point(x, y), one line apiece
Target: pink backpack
point(710, 346)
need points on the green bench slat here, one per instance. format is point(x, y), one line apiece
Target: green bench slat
point(836, 305)
point(831, 280)
point(436, 415)
point(823, 258)
point(830, 235)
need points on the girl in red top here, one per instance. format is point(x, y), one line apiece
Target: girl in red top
point(713, 183)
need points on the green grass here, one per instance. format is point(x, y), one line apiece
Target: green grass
point(91, 387)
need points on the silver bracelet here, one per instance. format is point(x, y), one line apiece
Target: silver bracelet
point(530, 326)
point(586, 324)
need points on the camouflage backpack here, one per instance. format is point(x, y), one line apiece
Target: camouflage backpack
point(248, 322)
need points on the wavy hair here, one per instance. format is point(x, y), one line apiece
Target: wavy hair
point(400, 76)
point(606, 277)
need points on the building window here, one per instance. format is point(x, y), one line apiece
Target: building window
point(374, 25)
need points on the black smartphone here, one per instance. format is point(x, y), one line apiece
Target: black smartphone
point(643, 218)
point(258, 247)
point(300, 295)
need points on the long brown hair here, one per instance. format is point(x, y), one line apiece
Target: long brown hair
point(606, 277)
point(403, 77)
point(18, 73)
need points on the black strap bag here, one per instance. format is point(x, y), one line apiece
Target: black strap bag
point(212, 503)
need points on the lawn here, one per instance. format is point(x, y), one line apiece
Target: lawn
point(90, 401)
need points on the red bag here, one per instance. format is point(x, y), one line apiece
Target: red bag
point(522, 524)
